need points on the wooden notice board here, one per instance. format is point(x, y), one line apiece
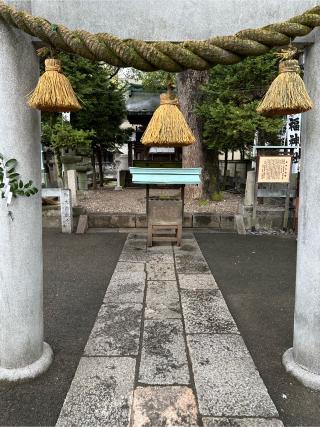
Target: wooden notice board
point(274, 169)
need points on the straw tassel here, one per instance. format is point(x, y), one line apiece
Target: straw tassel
point(54, 92)
point(287, 93)
point(168, 127)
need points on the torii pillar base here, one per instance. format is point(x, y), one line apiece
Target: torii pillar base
point(306, 377)
point(23, 353)
point(303, 360)
point(29, 372)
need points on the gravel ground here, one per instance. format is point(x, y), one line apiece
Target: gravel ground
point(132, 200)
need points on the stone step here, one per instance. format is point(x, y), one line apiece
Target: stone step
point(82, 224)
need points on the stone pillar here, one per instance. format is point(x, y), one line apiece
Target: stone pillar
point(118, 168)
point(303, 360)
point(73, 186)
point(250, 185)
point(23, 354)
point(83, 181)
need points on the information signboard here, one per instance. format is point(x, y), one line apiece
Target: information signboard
point(274, 169)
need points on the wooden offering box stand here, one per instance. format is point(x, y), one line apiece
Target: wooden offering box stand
point(165, 215)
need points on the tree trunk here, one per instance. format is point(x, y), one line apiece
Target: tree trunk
point(130, 153)
point(93, 163)
point(189, 85)
point(99, 156)
point(225, 169)
point(211, 184)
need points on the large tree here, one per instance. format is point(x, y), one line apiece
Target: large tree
point(228, 108)
point(103, 102)
point(220, 108)
point(190, 95)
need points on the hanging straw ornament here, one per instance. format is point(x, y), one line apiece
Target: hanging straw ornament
point(168, 127)
point(54, 92)
point(287, 93)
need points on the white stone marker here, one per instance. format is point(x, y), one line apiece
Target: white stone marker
point(23, 354)
point(66, 211)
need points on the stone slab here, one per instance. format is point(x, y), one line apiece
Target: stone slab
point(111, 220)
point(141, 221)
point(226, 379)
point(187, 247)
point(129, 267)
point(197, 281)
point(163, 359)
point(189, 258)
point(162, 300)
point(160, 257)
point(239, 224)
point(187, 220)
point(139, 234)
point(116, 331)
point(160, 271)
point(191, 263)
point(241, 422)
point(164, 406)
point(160, 248)
point(100, 393)
point(126, 287)
point(139, 244)
point(205, 311)
point(206, 220)
point(82, 225)
point(227, 222)
point(139, 255)
point(133, 256)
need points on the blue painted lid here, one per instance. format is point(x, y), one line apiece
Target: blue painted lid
point(166, 176)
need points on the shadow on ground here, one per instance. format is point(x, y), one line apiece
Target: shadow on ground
point(77, 270)
point(256, 275)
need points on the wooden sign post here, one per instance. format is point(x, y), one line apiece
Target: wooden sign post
point(273, 170)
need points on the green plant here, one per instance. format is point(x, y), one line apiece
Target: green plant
point(203, 202)
point(10, 181)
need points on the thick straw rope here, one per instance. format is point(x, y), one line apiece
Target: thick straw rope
point(168, 56)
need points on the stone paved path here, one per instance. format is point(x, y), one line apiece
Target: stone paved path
point(165, 350)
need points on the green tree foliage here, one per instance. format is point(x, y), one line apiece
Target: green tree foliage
point(229, 105)
point(155, 81)
point(64, 136)
point(230, 101)
point(103, 102)
point(102, 98)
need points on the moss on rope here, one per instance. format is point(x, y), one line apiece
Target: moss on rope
point(168, 56)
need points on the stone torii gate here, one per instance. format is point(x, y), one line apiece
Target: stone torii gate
point(22, 351)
